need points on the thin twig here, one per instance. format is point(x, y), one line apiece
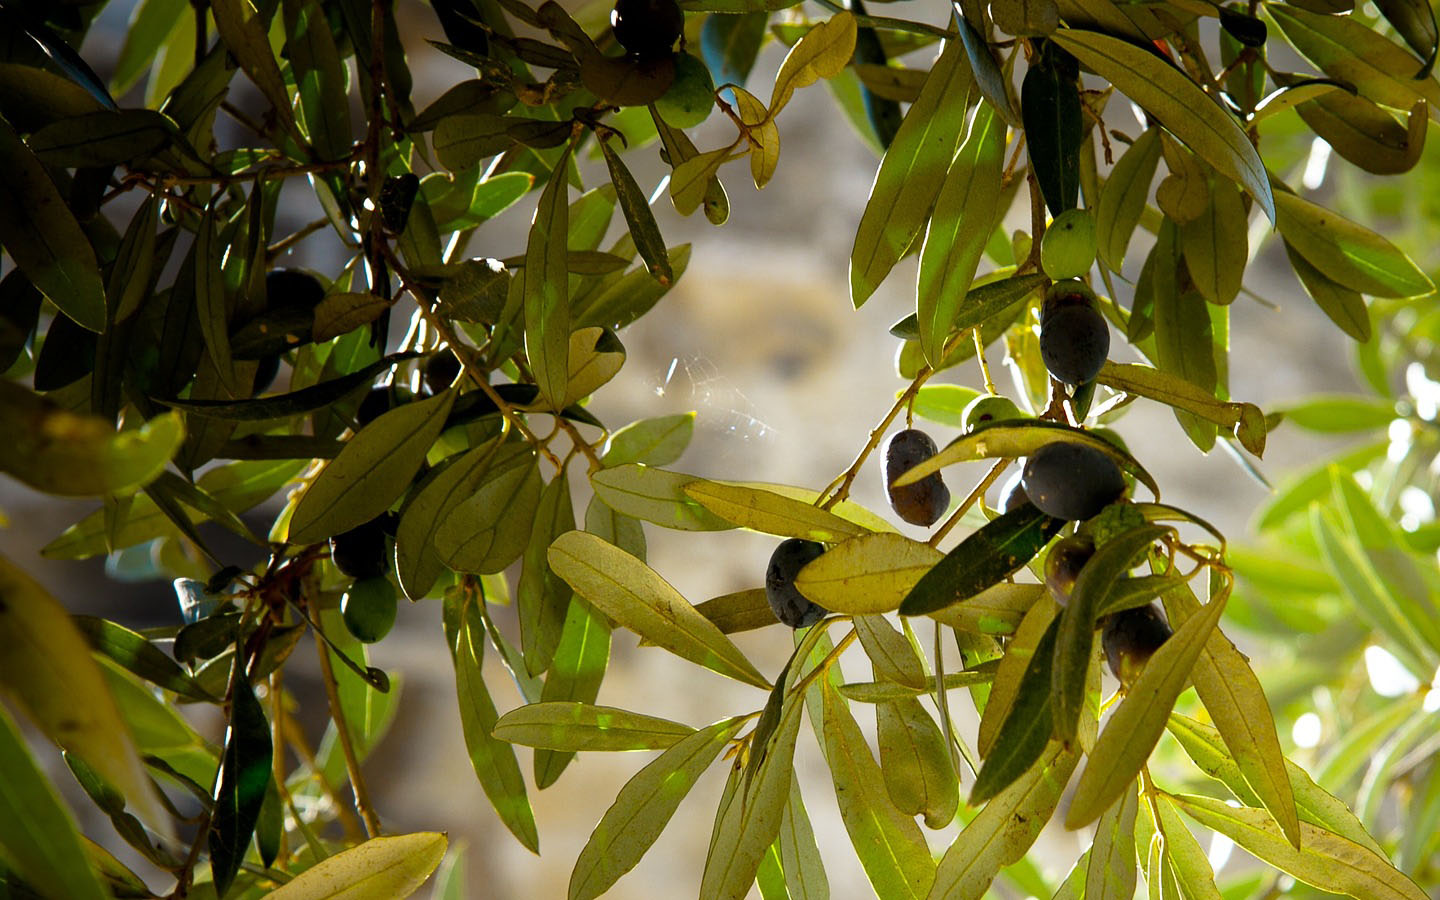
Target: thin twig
point(347, 745)
point(1000, 466)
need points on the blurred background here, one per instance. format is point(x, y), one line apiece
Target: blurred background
point(760, 340)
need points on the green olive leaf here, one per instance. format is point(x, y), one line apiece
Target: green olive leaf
point(320, 76)
point(1215, 244)
point(1366, 135)
point(1324, 860)
point(244, 33)
point(1005, 829)
point(1345, 306)
point(1110, 870)
point(244, 780)
point(824, 50)
point(492, 759)
point(547, 292)
point(1011, 668)
point(1122, 199)
point(1054, 131)
point(1347, 253)
point(542, 599)
point(1028, 723)
point(42, 236)
point(392, 866)
point(643, 807)
point(910, 173)
point(995, 551)
point(1013, 440)
point(959, 228)
point(581, 726)
point(488, 530)
point(654, 442)
point(576, 671)
point(371, 472)
point(889, 843)
point(771, 513)
point(1245, 419)
point(1185, 110)
point(655, 495)
point(632, 594)
point(1136, 725)
point(641, 221)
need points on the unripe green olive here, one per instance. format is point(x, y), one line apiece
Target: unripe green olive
point(368, 608)
point(988, 408)
point(1067, 250)
point(690, 97)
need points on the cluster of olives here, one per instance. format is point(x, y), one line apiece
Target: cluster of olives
point(368, 606)
point(649, 30)
point(1129, 637)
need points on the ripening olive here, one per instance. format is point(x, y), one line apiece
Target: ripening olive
point(368, 608)
point(647, 28)
point(1063, 565)
point(441, 368)
point(1072, 481)
point(1129, 639)
point(988, 408)
point(925, 501)
point(1074, 339)
point(690, 97)
point(1067, 249)
point(360, 552)
point(292, 288)
point(1012, 493)
point(789, 605)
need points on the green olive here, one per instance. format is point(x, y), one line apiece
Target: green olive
point(1067, 250)
point(691, 95)
point(988, 408)
point(368, 608)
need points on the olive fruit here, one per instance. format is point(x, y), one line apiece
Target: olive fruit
point(789, 605)
point(1012, 493)
point(360, 552)
point(1074, 339)
point(368, 608)
point(647, 28)
point(1067, 249)
point(987, 408)
point(265, 372)
point(690, 97)
point(1063, 565)
point(1130, 637)
point(1072, 481)
point(925, 501)
point(292, 288)
point(441, 368)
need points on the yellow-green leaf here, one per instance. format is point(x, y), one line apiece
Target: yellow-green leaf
point(910, 173)
point(890, 845)
point(1236, 702)
point(1122, 200)
point(547, 290)
point(996, 610)
point(1005, 829)
point(1245, 419)
point(1180, 105)
point(382, 868)
point(76, 455)
point(1133, 730)
point(1347, 253)
point(871, 573)
point(655, 495)
point(581, 726)
point(244, 34)
point(770, 513)
point(372, 470)
point(821, 53)
point(632, 594)
point(46, 667)
point(643, 807)
point(960, 226)
point(1324, 860)
point(1215, 244)
point(1111, 873)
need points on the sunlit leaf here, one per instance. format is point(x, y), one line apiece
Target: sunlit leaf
point(580, 726)
point(382, 867)
point(997, 550)
point(770, 513)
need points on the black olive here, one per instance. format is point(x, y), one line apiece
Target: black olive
point(789, 605)
point(1072, 481)
point(925, 501)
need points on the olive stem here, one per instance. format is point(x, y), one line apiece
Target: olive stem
point(839, 489)
point(1000, 466)
point(825, 664)
point(984, 366)
point(349, 822)
point(347, 745)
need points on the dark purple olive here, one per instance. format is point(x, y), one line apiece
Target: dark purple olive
point(1129, 639)
point(1063, 565)
point(925, 501)
point(647, 28)
point(1071, 481)
point(292, 288)
point(360, 552)
point(1074, 339)
point(265, 372)
point(440, 370)
point(789, 605)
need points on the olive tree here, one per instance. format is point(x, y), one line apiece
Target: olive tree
point(144, 355)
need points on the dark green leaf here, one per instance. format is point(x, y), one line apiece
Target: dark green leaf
point(244, 777)
point(1028, 724)
point(547, 295)
point(998, 549)
point(1054, 130)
